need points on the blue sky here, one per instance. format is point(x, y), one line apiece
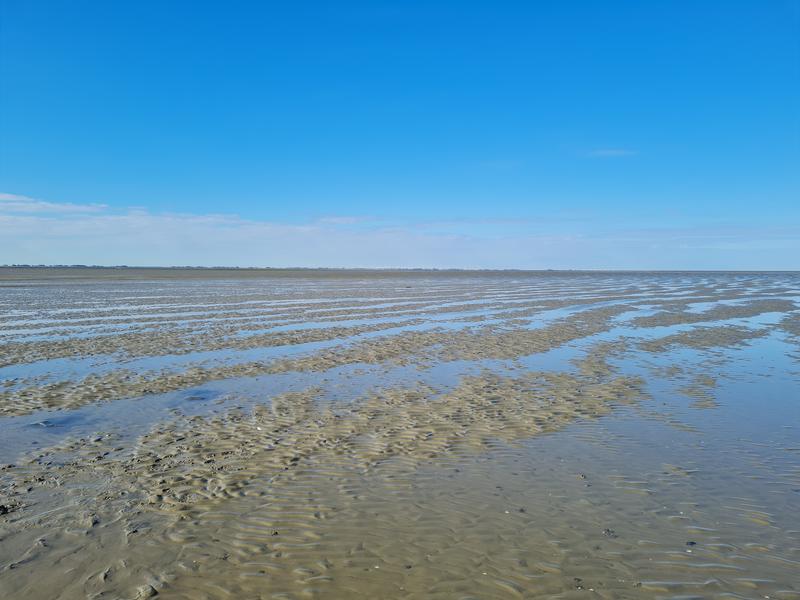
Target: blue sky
point(552, 134)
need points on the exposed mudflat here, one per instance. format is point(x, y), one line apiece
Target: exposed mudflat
point(366, 434)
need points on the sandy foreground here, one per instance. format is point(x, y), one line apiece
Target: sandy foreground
point(301, 434)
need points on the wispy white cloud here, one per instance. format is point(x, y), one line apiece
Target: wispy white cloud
point(502, 164)
point(342, 220)
point(141, 237)
point(610, 153)
point(15, 203)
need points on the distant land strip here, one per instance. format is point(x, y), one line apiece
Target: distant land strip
point(10, 273)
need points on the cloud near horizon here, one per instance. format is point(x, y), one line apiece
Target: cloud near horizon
point(40, 232)
point(16, 203)
point(611, 153)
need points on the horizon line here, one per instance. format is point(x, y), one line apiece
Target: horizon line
point(385, 269)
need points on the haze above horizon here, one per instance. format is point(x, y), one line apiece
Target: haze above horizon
point(547, 135)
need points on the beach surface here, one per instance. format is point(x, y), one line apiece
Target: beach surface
point(267, 433)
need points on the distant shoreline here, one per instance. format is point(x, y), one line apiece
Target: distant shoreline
point(81, 272)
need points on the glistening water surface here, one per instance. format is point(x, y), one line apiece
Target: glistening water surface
point(197, 434)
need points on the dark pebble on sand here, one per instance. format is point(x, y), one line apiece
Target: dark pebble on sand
point(610, 533)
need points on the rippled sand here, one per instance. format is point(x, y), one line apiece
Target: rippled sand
point(293, 434)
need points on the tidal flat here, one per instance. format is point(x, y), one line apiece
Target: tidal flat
point(276, 434)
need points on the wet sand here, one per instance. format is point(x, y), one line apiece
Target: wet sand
point(294, 434)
